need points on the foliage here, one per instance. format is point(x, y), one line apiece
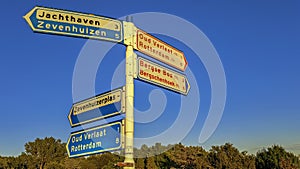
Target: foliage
point(43, 152)
point(227, 156)
point(50, 153)
point(276, 157)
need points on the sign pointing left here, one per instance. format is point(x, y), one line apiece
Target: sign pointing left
point(68, 23)
point(96, 108)
point(96, 140)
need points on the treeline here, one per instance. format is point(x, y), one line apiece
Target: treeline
point(50, 153)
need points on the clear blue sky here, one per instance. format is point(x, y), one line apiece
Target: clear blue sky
point(257, 41)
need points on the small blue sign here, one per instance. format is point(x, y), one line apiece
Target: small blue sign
point(95, 140)
point(102, 106)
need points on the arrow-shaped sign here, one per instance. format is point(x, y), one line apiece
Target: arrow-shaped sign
point(101, 106)
point(62, 22)
point(95, 140)
point(156, 74)
point(160, 50)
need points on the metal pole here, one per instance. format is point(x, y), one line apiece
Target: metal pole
point(129, 98)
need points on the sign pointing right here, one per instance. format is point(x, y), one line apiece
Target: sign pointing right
point(160, 50)
point(161, 76)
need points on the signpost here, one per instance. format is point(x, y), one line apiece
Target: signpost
point(101, 106)
point(160, 50)
point(62, 22)
point(111, 136)
point(156, 74)
point(129, 96)
point(95, 140)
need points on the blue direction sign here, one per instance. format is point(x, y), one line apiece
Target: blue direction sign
point(62, 22)
point(96, 140)
point(99, 107)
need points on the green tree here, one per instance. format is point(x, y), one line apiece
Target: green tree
point(50, 153)
point(248, 161)
point(197, 157)
point(87, 164)
point(150, 163)
point(23, 161)
point(12, 163)
point(180, 156)
point(227, 157)
point(276, 157)
point(44, 151)
point(140, 163)
point(177, 156)
point(72, 163)
point(55, 165)
point(3, 162)
point(105, 160)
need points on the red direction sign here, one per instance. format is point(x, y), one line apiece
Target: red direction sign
point(160, 50)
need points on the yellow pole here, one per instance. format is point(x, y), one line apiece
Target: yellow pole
point(129, 97)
